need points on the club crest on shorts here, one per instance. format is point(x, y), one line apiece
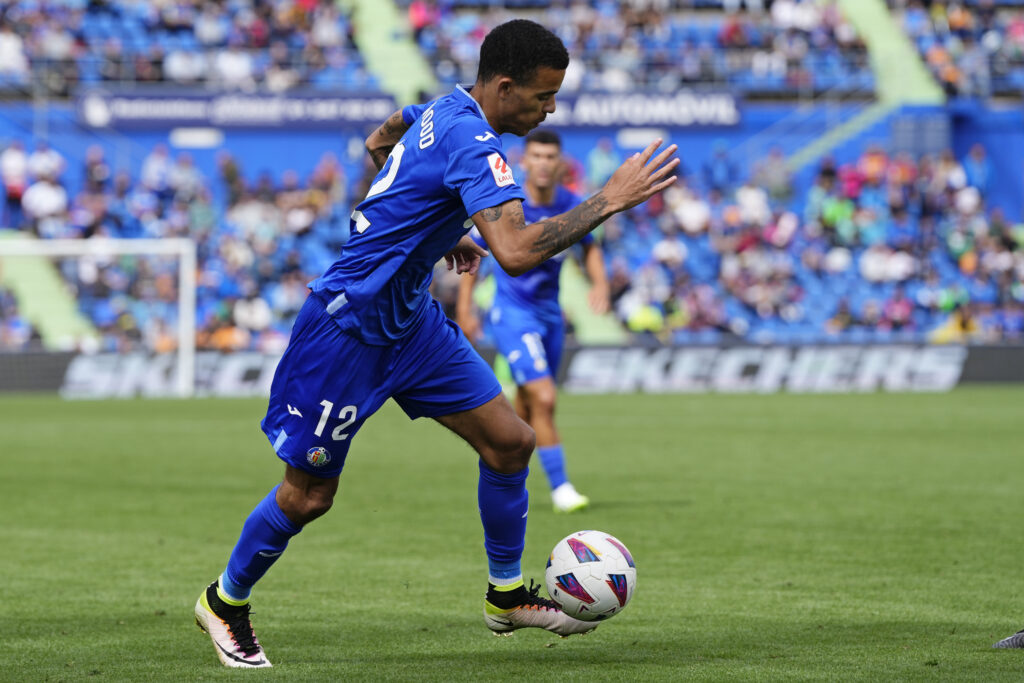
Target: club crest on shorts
point(318, 456)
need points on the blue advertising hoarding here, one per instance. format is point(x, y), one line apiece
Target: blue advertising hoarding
point(141, 108)
point(170, 108)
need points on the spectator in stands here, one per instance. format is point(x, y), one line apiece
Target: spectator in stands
point(960, 327)
point(96, 172)
point(183, 178)
point(46, 204)
point(156, 171)
point(773, 174)
point(45, 162)
point(112, 61)
point(211, 26)
point(720, 172)
point(280, 74)
point(14, 175)
point(233, 67)
point(17, 333)
point(185, 66)
point(975, 71)
point(327, 27)
point(752, 201)
point(149, 67)
point(842, 320)
point(13, 62)
point(601, 162)
point(422, 15)
point(897, 312)
point(978, 168)
point(690, 211)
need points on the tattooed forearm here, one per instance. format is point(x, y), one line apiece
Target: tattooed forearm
point(383, 140)
point(379, 156)
point(394, 127)
point(492, 214)
point(560, 232)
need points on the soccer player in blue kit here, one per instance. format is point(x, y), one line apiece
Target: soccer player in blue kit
point(370, 331)
point(526, 319)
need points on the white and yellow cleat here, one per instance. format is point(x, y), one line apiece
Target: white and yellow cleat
point(230, 630)
point(566, 498)
point(529, 610)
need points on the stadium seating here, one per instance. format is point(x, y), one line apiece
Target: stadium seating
point(972, 49)
point(663, 46)
point(879, 247)
point(276, 45)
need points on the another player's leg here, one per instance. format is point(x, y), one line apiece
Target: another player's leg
point(539, 397)
point(222, 610)
point(505, 443)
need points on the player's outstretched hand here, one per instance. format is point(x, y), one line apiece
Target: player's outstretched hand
point(465, 257)
point(641, 176)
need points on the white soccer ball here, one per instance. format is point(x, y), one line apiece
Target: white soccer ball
point(590, 575)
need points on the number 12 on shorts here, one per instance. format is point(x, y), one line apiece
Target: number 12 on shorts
point(347, 415)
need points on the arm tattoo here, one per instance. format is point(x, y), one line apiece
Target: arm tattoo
point(393, 127)
point(560, 232)
point(384, 139)
point(492, 214)
point(380, 156)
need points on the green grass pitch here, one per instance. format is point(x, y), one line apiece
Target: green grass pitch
point(788, 537)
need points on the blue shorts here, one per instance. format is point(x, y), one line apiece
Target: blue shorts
point(531, 344)
point(329, 382)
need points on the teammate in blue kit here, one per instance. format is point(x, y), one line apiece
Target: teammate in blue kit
point(526, 319)
point(370, 331)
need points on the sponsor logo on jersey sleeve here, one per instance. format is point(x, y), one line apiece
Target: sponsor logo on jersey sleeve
point(500, 170)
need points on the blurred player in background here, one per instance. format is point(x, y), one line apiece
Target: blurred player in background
point(370, 330)
point(526, 319)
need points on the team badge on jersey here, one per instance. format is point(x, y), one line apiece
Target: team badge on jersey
point(318, 456)
point(500, 169)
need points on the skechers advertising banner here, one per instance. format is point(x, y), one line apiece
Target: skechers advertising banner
point(606, 370)
point(169, 109)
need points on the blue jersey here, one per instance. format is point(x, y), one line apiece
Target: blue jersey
point(448, 166)
point(536, 290)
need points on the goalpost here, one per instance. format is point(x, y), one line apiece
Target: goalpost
point(184, 249)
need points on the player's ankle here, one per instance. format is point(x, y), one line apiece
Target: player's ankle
point(505, 597)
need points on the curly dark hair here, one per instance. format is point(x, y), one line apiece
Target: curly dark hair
point(517, 49)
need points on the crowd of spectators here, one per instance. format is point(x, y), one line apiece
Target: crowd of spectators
point(887, 247)
point(774, 47)
point(971, 48)
point(259, 241)
point(271, 44)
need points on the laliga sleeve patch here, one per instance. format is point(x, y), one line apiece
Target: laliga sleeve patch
point(500, 169)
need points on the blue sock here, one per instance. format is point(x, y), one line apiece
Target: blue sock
point(265, 535)
point(553, 462)
point(504, 503)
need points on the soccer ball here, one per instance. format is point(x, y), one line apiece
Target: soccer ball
point(590, 575)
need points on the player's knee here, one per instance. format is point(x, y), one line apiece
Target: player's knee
point(511, 452)
point(540, 400)
point(304, 509)
point(544, 403)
